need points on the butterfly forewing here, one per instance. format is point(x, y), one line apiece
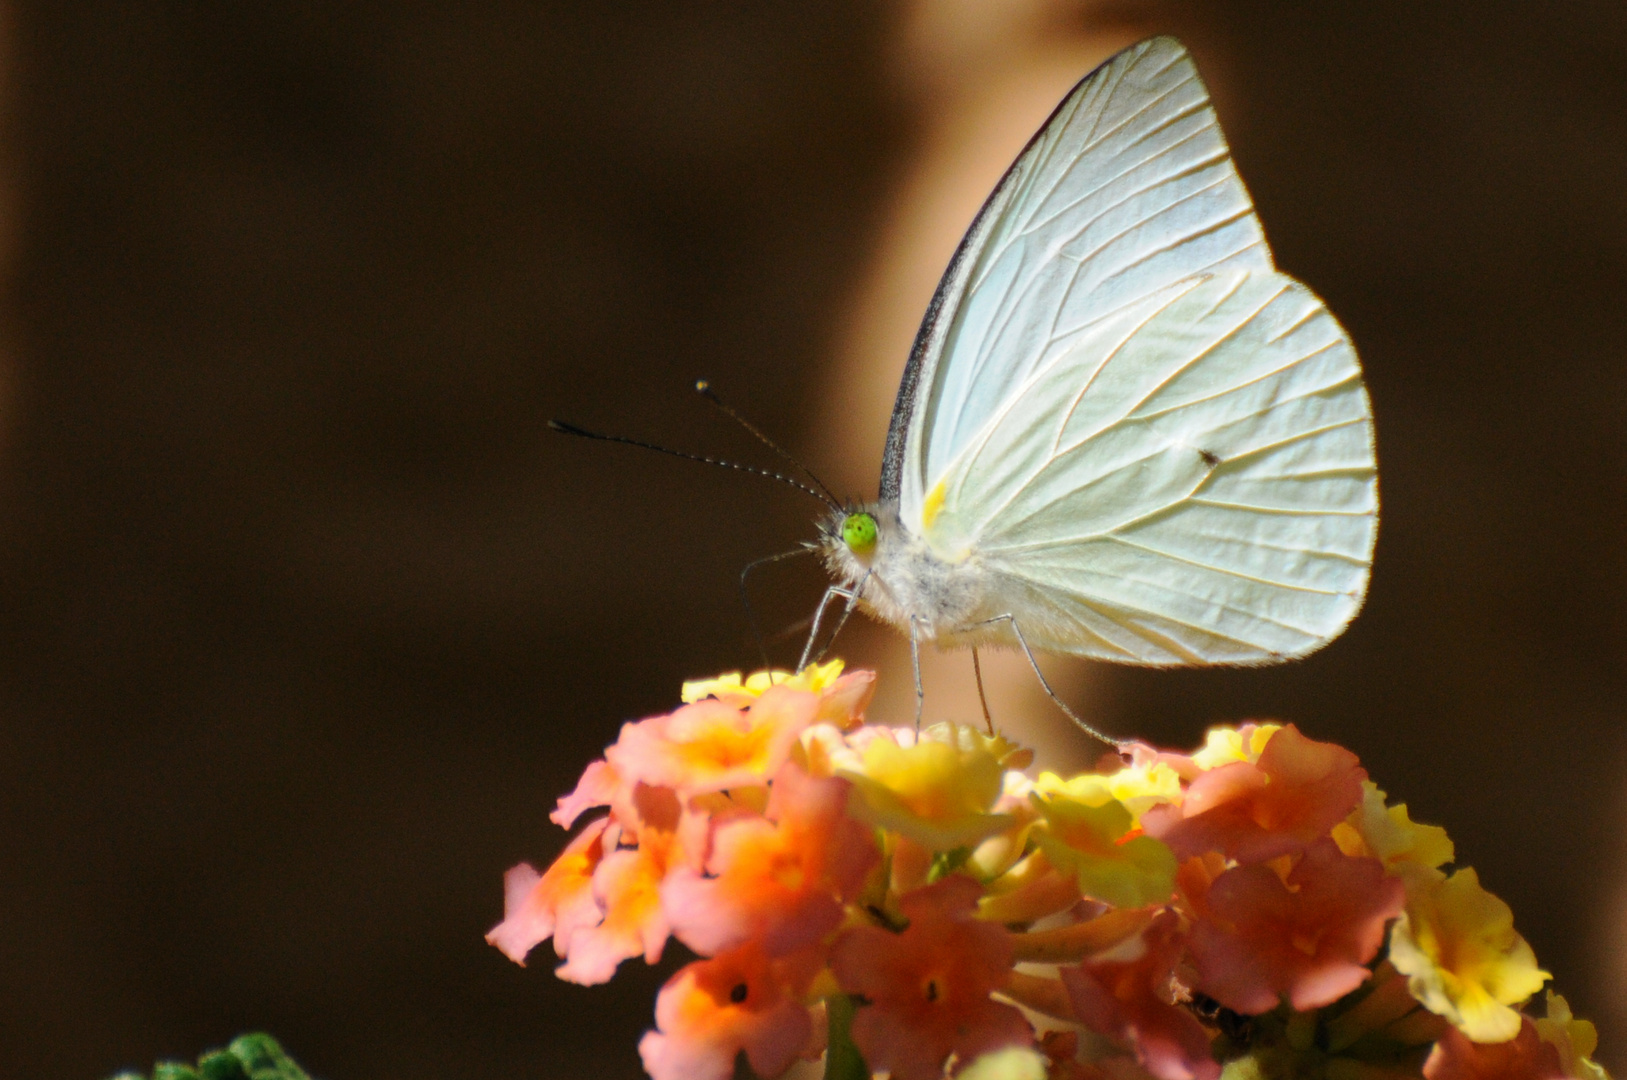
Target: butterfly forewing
point(1127, 189)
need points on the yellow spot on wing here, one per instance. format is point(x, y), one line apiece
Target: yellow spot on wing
point(933, 504)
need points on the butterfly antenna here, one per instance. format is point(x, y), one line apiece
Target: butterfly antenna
point(582, 433)
point(704, 389)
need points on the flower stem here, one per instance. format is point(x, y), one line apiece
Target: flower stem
point(1070, 944)
point(842, 1059)
point(1036, 992)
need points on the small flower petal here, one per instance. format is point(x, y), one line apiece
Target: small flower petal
point(600, 785)
point(1260, 938)
point(1124, 995)
point(1523, 1057)
point(1012, 1063)
point(1224, 745)
point(937, 791)
point(1139, 786)
point(1389, 834)
point(712, 1010)
point(926, 990)
point(628, 887)
point(1574, 1039)
point(779, 879)
point(815, 679)
point(714, 745)
point(1252, 812)
point(553, 904)
point(1463, 960)
point(1093, 844)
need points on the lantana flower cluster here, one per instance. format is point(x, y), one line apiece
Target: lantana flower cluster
point(917, 904)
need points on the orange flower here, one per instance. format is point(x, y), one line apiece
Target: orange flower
point(1296, 792)
point(813, 859)
point(926, 990)
point(779, 879)
point(712, 1010)
point(1524, 1057)
point(1124, 995)
point(1259, 938)
point(715, 745)
point(842, 698)
point(628, 887)
point(555, 904)
point(600, 785)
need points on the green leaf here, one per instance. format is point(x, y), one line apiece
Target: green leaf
point(263, 1059)
point(249, 1057)
point(842, 1059)
point(174, 1070)
point(945, 863)
point(221, 1065)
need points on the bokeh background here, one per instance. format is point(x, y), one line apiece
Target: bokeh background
point(306, 619)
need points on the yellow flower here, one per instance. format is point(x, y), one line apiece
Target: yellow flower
point(1389, 835)
point(1093, 843)
point(1463, 960)
point(815, 678)
point(937, 789)
point(1224, 745)
point(1012, 1063)
point(1138, 787)
point(1574, 1039)
point(995, 855)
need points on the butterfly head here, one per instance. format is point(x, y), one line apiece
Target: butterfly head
point(859, 532)
point(853, 538)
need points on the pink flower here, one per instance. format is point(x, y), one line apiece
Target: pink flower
point(1256, 811)
point(926, 990)
point(1061, 1049)
point(627, 885)
point(1125, 995)
point(780, 879)
point(712, 1010)
point(1524, 1057)
point(715, 745)
point(844, 703)
point(557, 903)
point(1259, 937)
point(600, 785)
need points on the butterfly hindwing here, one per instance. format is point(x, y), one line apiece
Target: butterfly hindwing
point(1199, 470)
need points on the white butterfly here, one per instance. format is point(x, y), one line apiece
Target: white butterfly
point(1122, 433)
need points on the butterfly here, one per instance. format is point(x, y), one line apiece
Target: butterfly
point(1122, 433)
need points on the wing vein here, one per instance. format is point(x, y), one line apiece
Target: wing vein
point(1113, 537)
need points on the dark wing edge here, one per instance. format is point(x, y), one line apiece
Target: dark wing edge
point(947, 296)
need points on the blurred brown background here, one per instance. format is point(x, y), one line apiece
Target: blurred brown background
point(305, 618)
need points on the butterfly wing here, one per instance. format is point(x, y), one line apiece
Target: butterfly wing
point(1126, 189)
point(1158, 446)
point(1193, 482)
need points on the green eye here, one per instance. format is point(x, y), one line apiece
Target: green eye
point(859, 533)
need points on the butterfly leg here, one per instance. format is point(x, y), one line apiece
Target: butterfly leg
point(745, 598)
point(915, 662)
point(1033, 663)
point(977, 673)
point(847, 612)
point(850, 595)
